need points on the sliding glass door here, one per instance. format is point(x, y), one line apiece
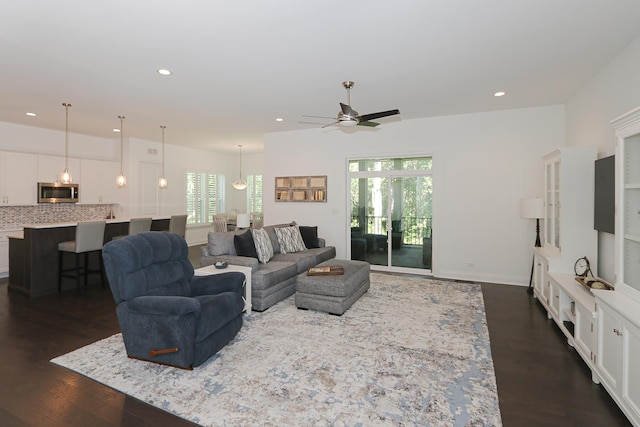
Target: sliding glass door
point(391, 212)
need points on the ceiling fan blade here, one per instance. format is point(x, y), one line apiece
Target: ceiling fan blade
point(369, 124)
point(348, 111)
point(372, 116)
point(316, 117)
point(331, 124)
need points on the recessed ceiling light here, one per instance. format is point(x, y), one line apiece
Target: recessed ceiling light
point(31, 114)
point(500, 93)
point(164, 72)
point(116, 130)
point(279, 119)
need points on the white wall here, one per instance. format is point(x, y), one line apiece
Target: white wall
point(611, 93)
point(483, 164)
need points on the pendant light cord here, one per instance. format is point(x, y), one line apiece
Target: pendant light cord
point(163, 128)
point(121, 143)
point(66, 106)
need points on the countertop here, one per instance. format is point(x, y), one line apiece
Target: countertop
point(73, 224)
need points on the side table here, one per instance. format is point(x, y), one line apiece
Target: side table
point(211, 269)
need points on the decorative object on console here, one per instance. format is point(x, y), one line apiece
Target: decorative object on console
point(532, 208)
point(121, 181)
point(582, 267)
point(162, 182)
point(65, 177)
point(240, 184)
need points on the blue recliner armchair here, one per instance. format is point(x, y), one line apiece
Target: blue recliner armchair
point(166, 314)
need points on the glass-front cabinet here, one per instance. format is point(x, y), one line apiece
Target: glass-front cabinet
point(552, 203)
point(628, 201)
point(568, 223)
point(631, 212)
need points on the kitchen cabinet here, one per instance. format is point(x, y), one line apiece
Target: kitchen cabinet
point(17, 179)
point(50, 168)
point(98, 182)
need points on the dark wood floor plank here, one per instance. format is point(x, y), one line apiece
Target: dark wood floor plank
point(541, 380)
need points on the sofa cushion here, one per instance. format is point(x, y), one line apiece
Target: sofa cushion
point(290, 240)
point(272, 273)
point(310, 236)
point(221, 243)
point(263, 245)
point(271, 230)
point(244, 244)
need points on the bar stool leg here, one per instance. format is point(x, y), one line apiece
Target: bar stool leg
point(60, 271)
point(102, 272)
point(77, 271)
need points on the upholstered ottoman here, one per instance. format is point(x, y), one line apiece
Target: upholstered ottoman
point(333, 293)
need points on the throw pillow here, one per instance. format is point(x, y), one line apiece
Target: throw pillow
point(310, 236)
point(263, 245)
point(244, 244)
point(290, 240)
point(221, 243)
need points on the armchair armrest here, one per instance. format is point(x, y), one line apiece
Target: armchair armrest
point(163, 305)
point(232, 281)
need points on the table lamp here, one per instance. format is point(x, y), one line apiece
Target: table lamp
point(533, 208)
point(243, 220)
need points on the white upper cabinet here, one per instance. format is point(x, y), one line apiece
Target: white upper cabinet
point(98, 182)
point(18, 185)
point(50, 168)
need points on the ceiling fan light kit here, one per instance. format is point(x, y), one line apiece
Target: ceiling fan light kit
point(348, 117)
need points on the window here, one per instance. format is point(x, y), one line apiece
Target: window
point(254, 193)
point(205, 196)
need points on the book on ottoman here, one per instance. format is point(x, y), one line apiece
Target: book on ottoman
point(325, 270)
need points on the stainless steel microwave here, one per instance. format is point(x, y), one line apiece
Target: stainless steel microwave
point(55, 192)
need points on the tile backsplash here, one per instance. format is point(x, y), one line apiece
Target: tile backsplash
point(13, 217)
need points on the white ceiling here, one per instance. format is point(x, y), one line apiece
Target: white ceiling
point(237, 65)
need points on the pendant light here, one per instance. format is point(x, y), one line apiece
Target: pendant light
point(162, 182)
point(65, 176)
point(121, 180)
point(240, 184)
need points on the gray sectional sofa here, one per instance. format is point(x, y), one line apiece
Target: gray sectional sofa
point(275, 280)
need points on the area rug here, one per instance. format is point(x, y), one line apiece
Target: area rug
point(411, 351)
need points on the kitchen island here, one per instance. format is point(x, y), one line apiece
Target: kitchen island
point(33, 256)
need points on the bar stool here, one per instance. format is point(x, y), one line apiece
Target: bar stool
point(136, 225)
point(89, 238)
point(178, 224)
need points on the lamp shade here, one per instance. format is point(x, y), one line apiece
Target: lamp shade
point(243, 221)
point(532, 208)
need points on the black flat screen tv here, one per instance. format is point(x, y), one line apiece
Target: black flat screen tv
point(605, 195)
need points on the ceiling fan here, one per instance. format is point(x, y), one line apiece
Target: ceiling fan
point(348, 117)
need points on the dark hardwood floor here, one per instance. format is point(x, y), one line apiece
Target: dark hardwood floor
point(541, 381)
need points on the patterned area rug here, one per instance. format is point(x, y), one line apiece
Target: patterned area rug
point(411, 351)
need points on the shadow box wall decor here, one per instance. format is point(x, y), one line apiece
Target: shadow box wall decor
point(301, 188)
